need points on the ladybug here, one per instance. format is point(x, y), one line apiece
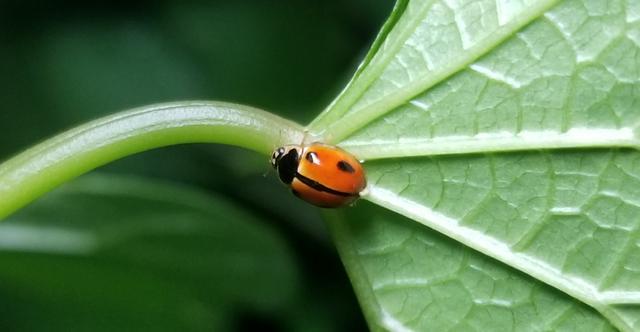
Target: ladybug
point(323, 175)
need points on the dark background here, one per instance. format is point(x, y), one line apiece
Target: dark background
point(66, 62)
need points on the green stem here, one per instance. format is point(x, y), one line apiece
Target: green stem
point(59, 159)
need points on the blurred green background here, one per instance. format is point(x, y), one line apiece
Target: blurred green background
point(194, 237)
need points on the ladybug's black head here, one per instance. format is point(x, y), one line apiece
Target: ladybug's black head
point(285, 159)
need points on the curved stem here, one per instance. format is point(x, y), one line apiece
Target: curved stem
point(50, 163)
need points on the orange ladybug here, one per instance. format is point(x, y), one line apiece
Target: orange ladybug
point(323, 175)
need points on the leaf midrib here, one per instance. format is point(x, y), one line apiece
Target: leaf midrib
point(625, 137)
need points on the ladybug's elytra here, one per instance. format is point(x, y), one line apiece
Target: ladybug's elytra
point(323, 175)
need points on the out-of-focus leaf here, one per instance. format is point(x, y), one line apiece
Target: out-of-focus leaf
point(269, 59)
point(129, 253)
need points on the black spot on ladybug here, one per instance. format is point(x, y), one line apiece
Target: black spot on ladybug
point(312, 157)
point(345, 167)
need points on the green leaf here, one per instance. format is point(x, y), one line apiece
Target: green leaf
point(500, 84)
point(107, 252)
point(409, 277)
